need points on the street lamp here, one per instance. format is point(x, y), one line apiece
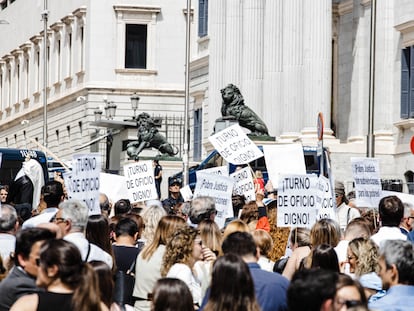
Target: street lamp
point(110, 109)
point(98, 114)
point(134, 104)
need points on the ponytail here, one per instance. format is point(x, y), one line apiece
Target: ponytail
point(86, 296)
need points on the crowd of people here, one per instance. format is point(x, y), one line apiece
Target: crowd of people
point(171, 255)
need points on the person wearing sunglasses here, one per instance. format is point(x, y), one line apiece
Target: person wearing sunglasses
point(349, 293)
point(21, 279)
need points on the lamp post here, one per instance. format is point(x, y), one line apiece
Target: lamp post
point(110, 110)
point(134, 104)
point(187, 96)
point(45, 15)
point(371, 105)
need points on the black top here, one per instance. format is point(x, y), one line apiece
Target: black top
point(157, 170)
point(124, 256)
point(49, 301)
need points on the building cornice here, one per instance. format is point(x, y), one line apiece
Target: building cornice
point(137, 9)
point(407, 31)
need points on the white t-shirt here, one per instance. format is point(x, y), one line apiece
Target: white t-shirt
point(184, 273)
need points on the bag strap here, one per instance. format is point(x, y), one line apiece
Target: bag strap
point(347, 215)
point(132, 268)
point(89, 251)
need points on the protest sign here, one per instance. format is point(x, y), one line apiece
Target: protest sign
point(218, 170)
point(366, 175)
point(113, 186)
point(284, 159)
point(186, 193)
point(83, 182)
point(324, 199)
point(220, 188)
point(234, 145)
point(140, 181)
point(297, 201)
point(244, 184)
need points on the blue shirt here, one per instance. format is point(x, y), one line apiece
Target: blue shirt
point(270, 289)
point(398, 298)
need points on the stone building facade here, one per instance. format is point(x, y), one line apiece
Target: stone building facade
point(293, 59)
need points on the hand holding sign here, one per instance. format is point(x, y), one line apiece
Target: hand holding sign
point(234, 145)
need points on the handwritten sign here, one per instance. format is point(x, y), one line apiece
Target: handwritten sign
point(324, 199)
point(140, 181)
point(244, 184)
point(297, 201)
point(366, 175)
point(220, 188)
point(218, 170)
point(285, 159)
point(234, 145)
point(83, 182)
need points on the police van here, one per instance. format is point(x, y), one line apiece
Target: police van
point(11, 161)
point(214, 159)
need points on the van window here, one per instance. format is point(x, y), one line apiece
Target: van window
point(11, 163)
point(214, 161)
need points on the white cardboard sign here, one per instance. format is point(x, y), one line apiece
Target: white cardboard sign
point(140, 181)
point(285, 159)
point(218, 170)
point(83, 182)
point(366, 175)
point(297, 201)
point(324, 199)
point(234, 145)
point(220, 188)
point(244, 184)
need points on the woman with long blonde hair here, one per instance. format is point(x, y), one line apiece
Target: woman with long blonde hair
point(149, 260)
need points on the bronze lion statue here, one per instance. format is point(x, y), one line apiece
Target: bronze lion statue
point(149, 137)
point(233, 106)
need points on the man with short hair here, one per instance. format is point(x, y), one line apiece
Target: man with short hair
point(270, 288)
point(22, 278)
point(202, 208)
point(312, 290)
point(72, 218)
point(406, 224)
point(125, 250)
point(344, 213)
point(52, 196)
point(391, 211)
point(397, 274)
point(8, 229)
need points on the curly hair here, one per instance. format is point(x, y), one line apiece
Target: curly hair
point(179, 249)
point(367, 255)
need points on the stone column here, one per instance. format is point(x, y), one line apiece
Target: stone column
point(217, 34)
point(358, 126)
point(252, 77)
point(292, 99)
point(387, 95)
point(317, 59)
point(233, 44)
point(272, 67)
